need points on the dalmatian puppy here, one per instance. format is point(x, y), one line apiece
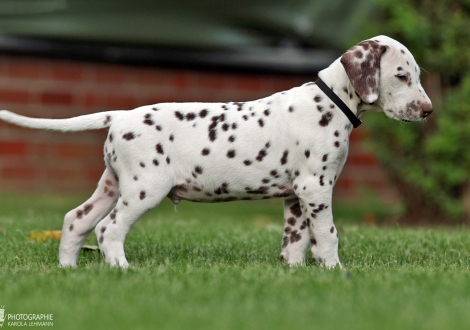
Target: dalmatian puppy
point(289, 145)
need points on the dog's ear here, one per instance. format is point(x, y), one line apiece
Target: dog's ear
point(362, 65)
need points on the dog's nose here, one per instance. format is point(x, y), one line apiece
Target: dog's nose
point(426, 110)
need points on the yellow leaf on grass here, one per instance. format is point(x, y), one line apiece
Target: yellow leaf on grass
point(41, 235)
point(90, 247)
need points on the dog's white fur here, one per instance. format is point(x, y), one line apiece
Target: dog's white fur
point(291, 145)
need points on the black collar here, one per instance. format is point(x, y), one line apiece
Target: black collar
point(336, 100)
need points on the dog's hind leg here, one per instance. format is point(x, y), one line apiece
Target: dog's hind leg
point(79, 222)
point(137, 197)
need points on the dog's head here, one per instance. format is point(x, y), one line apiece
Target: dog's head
point(386, 77)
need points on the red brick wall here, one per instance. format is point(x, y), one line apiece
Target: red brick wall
point(35, 161)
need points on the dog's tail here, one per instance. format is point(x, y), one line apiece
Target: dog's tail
point(93, 121)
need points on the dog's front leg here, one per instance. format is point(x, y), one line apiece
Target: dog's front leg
point(315, 197)
point(296, 236)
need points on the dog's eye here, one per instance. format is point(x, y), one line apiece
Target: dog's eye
point(402, 77)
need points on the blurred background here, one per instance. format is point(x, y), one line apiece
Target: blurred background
point(63, 58)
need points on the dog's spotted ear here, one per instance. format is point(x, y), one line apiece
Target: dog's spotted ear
point(362, 65)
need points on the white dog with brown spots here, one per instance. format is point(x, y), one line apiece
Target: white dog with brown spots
point(290, 145)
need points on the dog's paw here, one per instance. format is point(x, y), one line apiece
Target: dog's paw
point(328, 263)
point(292, 261)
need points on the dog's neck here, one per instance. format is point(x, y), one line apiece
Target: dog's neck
point(336, 78)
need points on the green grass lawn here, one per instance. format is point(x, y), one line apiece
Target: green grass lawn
point(216, 266)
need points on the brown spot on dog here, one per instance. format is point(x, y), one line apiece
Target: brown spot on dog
point(203, 113)
point(159, 148)
point(212, 134)
point(142, 195)
point(412, 107)
point(231, 153)
point(295, 210)
point(190, 116)
point(285, 241)
point(239, 105)
point(107, 120)
point(325, 119)
point(148, 120)
point(295, 236)
point(128, 136)
point(205, 151)
point(291, 221)
point(284, 157)
point(261, 154)
point(87, 208)
point(179, 115)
